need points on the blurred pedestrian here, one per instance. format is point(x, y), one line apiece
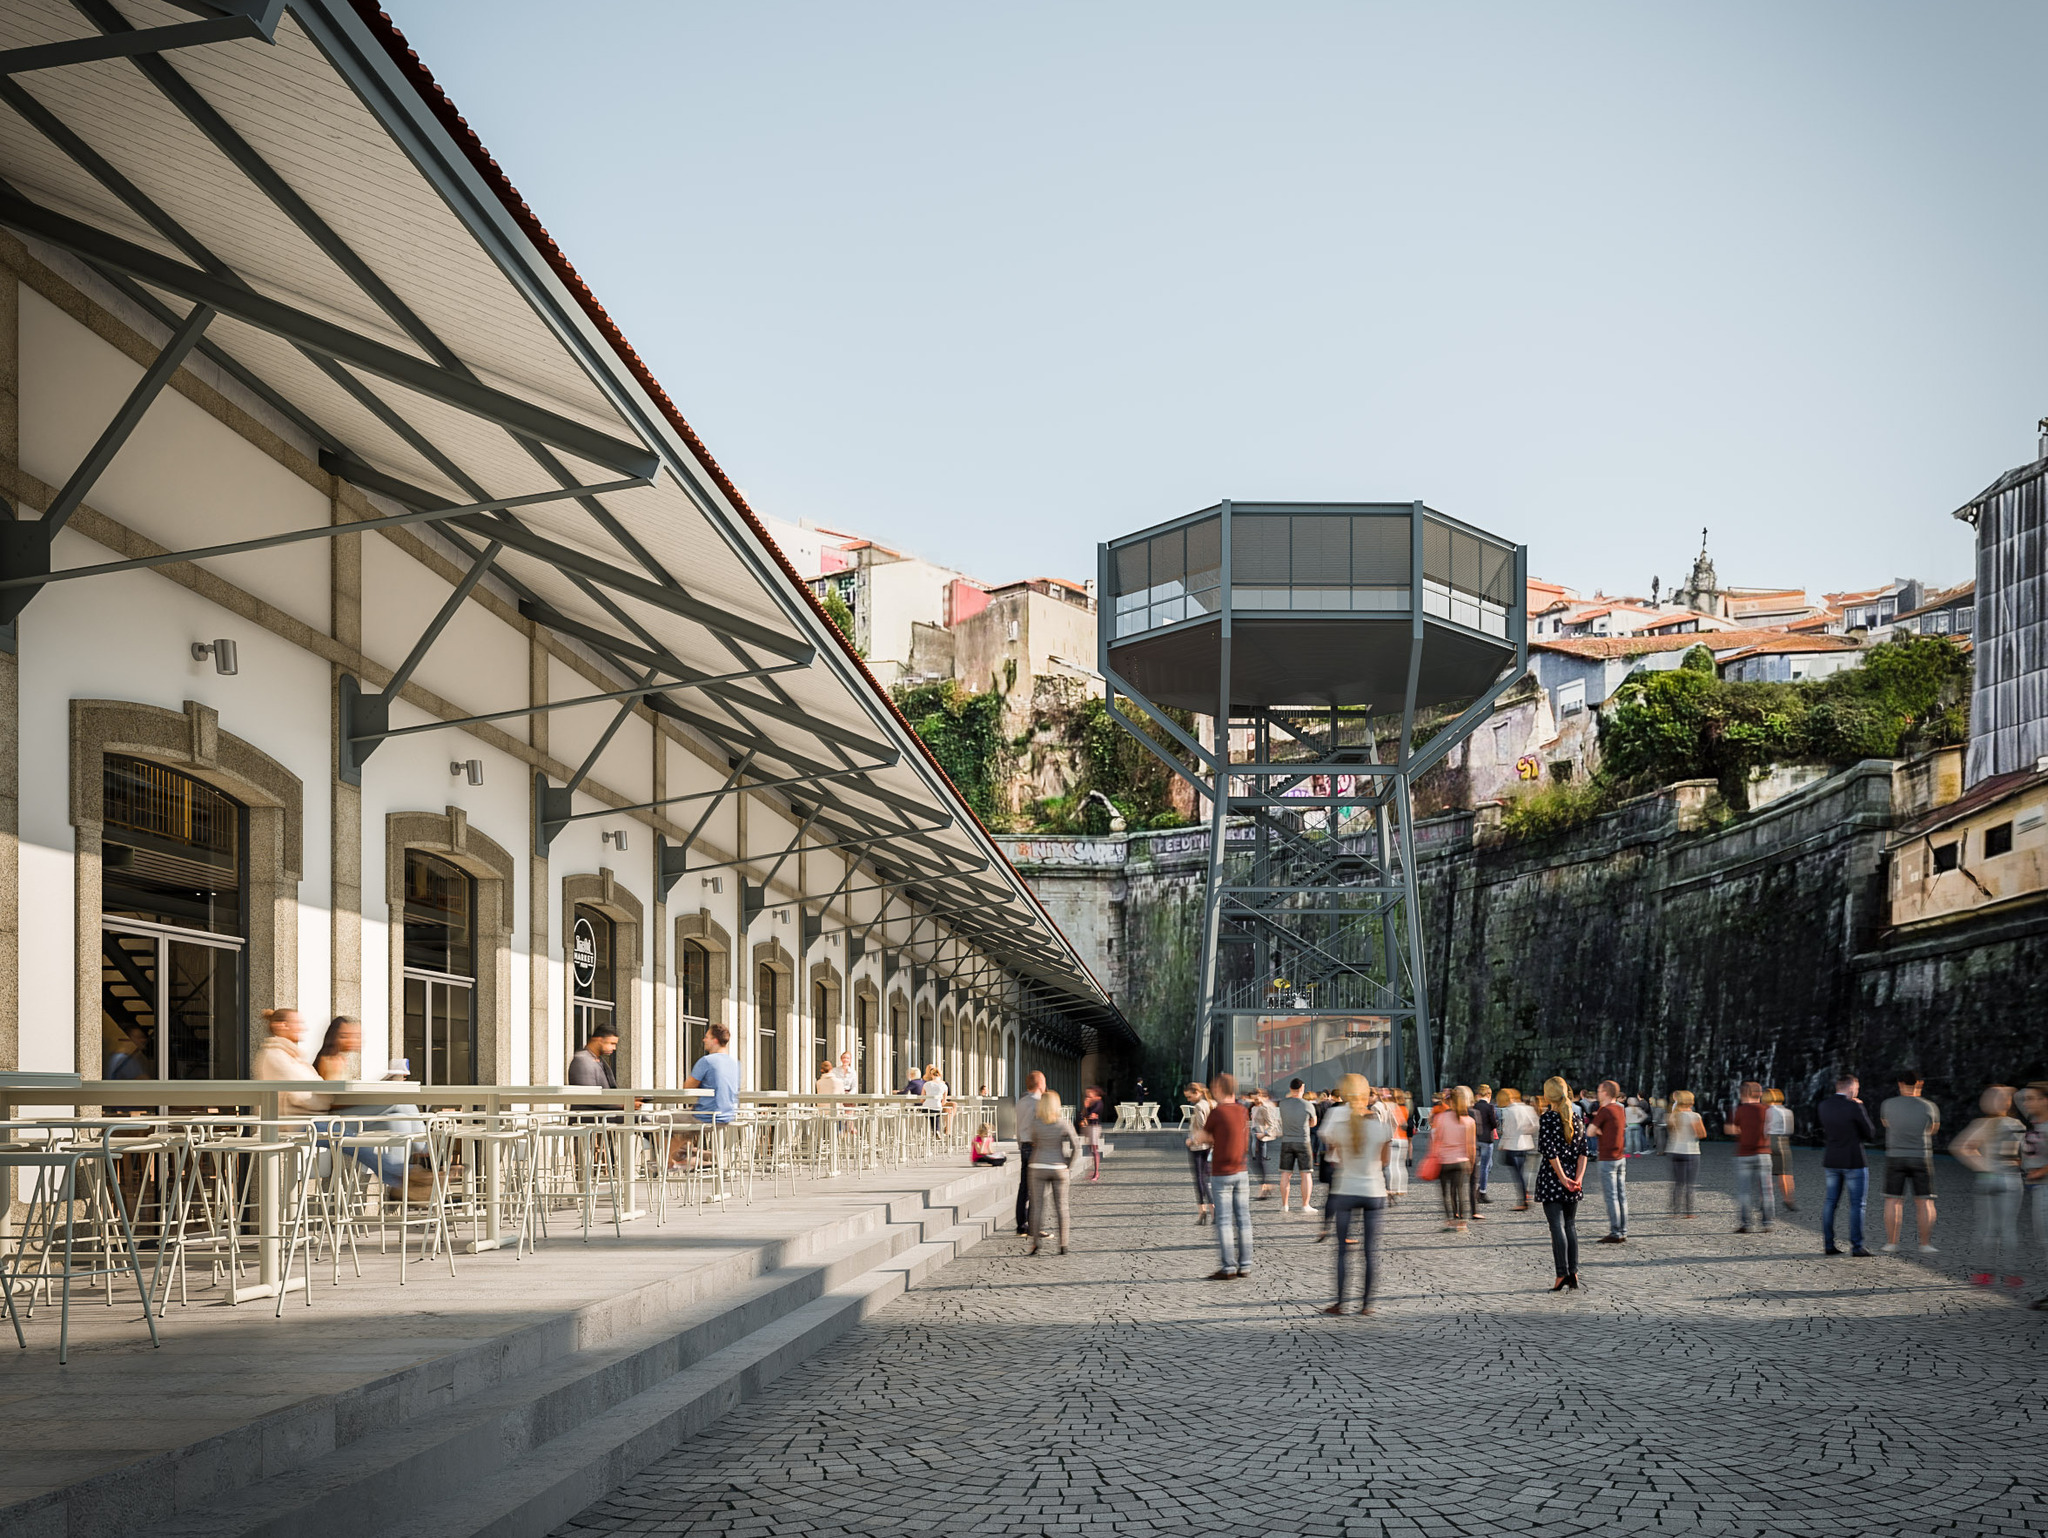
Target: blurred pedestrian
point(1990, 1146)
point(1197, 1097)
point(1265, 1137)
point(1610, 1127)
point(1451, 1142)
point(1844, 1128)
point(1910, 1122)
point(1683, 1130)
point(1360, 1143)
point(1562, 1146)
point(1638, 1116)
point(1297, 1116)
point(1518, 1142)
point(1778, 1123)
point(2033, 1102)
point(1027, 1120)
point(1399, 1161)
point(1752, 1159)
point(1094, 1112)
point(1486, 1127)
point(1055, 1155)
point(1227, 1130)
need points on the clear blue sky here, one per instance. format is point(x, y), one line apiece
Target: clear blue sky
point(993, 282)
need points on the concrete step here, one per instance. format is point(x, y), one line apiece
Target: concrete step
point(540, 1437)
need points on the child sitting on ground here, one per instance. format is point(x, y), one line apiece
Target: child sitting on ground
point(983, 1149)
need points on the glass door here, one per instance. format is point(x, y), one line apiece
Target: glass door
point(440, 970)
point(169, 1005)
point(595, 991)
point(863, 1058)
point(821, 1033)
point(767, 1016)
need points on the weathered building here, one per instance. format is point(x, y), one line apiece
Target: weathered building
point(2009, 710)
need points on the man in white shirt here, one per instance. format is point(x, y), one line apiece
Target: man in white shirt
point(849, 1081)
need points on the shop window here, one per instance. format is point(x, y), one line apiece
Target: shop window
point(440, 970)
point(693, 980)
point(593, 948)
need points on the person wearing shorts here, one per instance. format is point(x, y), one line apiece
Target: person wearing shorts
point(1297, 1151)
point(1910, 1122)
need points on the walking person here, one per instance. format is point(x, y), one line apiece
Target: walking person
point(1844, 1128)
point(1055, 1155)
point(1752, 1158)
point(1610, 1126)
point(1910, 1121)
point(1990, 1146)
point(1638, 1124)
point(1396, 1106)
point(1094, 1111)
point(2033, 1102)
point(1486, 1126)
point(1297, 1117)
point(1197, 1097)
point(1265, 1138)
point(1778, 1124)
point(1518, 1142)
point(1227, 1129)
point(1451, 1143)
point(1027, 1122)
point(1683, 1130)
point(1360, 1144)
point(1562, 1145)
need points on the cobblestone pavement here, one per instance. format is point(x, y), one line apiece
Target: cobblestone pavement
point(1703, 1383)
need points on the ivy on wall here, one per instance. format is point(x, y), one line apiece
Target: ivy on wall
point(965, 733)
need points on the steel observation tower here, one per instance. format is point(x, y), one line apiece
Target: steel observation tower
point(1314, 636)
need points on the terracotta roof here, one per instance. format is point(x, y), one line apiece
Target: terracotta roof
point(1796, 644)
point(1594, 648)
point(1817, 622)
point(1966, 590)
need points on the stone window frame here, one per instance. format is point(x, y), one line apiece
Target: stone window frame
point(922, 1025)
point(449, 836)
point(837, 1038)
point(896, 998)
point(864, 990)
point(706, 931)
point(191, 741)
point(629, 958)
point(773, 954)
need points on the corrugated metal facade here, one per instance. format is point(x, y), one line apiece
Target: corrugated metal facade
point(2009, 715)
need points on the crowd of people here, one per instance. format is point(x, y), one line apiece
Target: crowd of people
point(1357, 1144)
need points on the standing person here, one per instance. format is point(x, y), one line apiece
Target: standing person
point(1844, 1128)
point(1518, 1142)
point(1638, 1125)
point(1752, 1158)
point(1360, 1143)
point(1397, 1163)
point(1027, 1121)
point(1683, 1130)
point(849, 1079)
point(1197, 1096)
point(1990, 1145)
point(1561, 1178)
point(1778, 1124)
point(1265, 1134)
point(1910, 1122)
point(1451, 1134)
point(828, 1079)
point(1228, 1132)
point(2034, 1170)
point(1486, 1124)
point(1055, 1155)
point(1094, 1108)
point(1610, 1126)
point(1297, 1116)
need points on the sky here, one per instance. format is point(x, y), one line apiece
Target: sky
point(992, 283)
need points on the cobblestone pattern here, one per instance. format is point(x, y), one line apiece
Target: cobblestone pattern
point(1702, 1383)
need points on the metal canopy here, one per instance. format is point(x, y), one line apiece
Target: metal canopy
point(361, 266)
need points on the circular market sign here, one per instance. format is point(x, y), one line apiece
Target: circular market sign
point(583, 953)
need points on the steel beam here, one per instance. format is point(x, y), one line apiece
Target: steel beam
point(552, 705)
point(251, 22)
point(234, 300)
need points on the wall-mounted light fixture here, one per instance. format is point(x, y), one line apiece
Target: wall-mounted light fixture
point(473, 767)
point(616, 838)
point(782, 915)
point(222, 653)
point(716, 883)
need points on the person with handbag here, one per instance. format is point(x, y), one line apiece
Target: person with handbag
point(1562, 1145)
point(1453, 1142)
point(1197, 1096)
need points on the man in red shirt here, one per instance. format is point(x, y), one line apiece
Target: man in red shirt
point(1228, 1131)
point(1752, 1158)
point(1610, 1124)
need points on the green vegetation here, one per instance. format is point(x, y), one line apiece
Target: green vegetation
point(965, 733)
point(1908, 695)
point(1107, 758)
point(1556, 808)
point(836, 610)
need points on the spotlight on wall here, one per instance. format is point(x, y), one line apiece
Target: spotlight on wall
point(716, 883)
point(782, 915)
point(616, 838)
point(222, 653)
point(472, 767)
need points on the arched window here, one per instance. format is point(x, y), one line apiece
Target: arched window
point(173, 905)
point(693, 980)
point(821, 1034)
point(593, 947)
point(440, 970)
point(864, 1054)
point(897, 1061)
point(767, 1017)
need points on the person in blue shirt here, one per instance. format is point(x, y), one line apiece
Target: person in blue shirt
point(718, 1071)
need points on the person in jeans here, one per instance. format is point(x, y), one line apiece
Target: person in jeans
point(1265, 1134)
point(1610, 1126)
point(1027, 1122)
point(1562, 1145)
point(1518, 1142)
point(1197, 1096)
point(1844, 1128)
point(1297, 1152)
point(1910, 1122)
point(1683, 1130)
point(1451, 1139)
point(1486, 1127)
point(1055, 1155)
point(1359, 1142)
point(1227, 1131)
point(1752, 1158)
point(1990, 1146)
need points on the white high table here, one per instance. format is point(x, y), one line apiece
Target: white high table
point(263, 1098)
